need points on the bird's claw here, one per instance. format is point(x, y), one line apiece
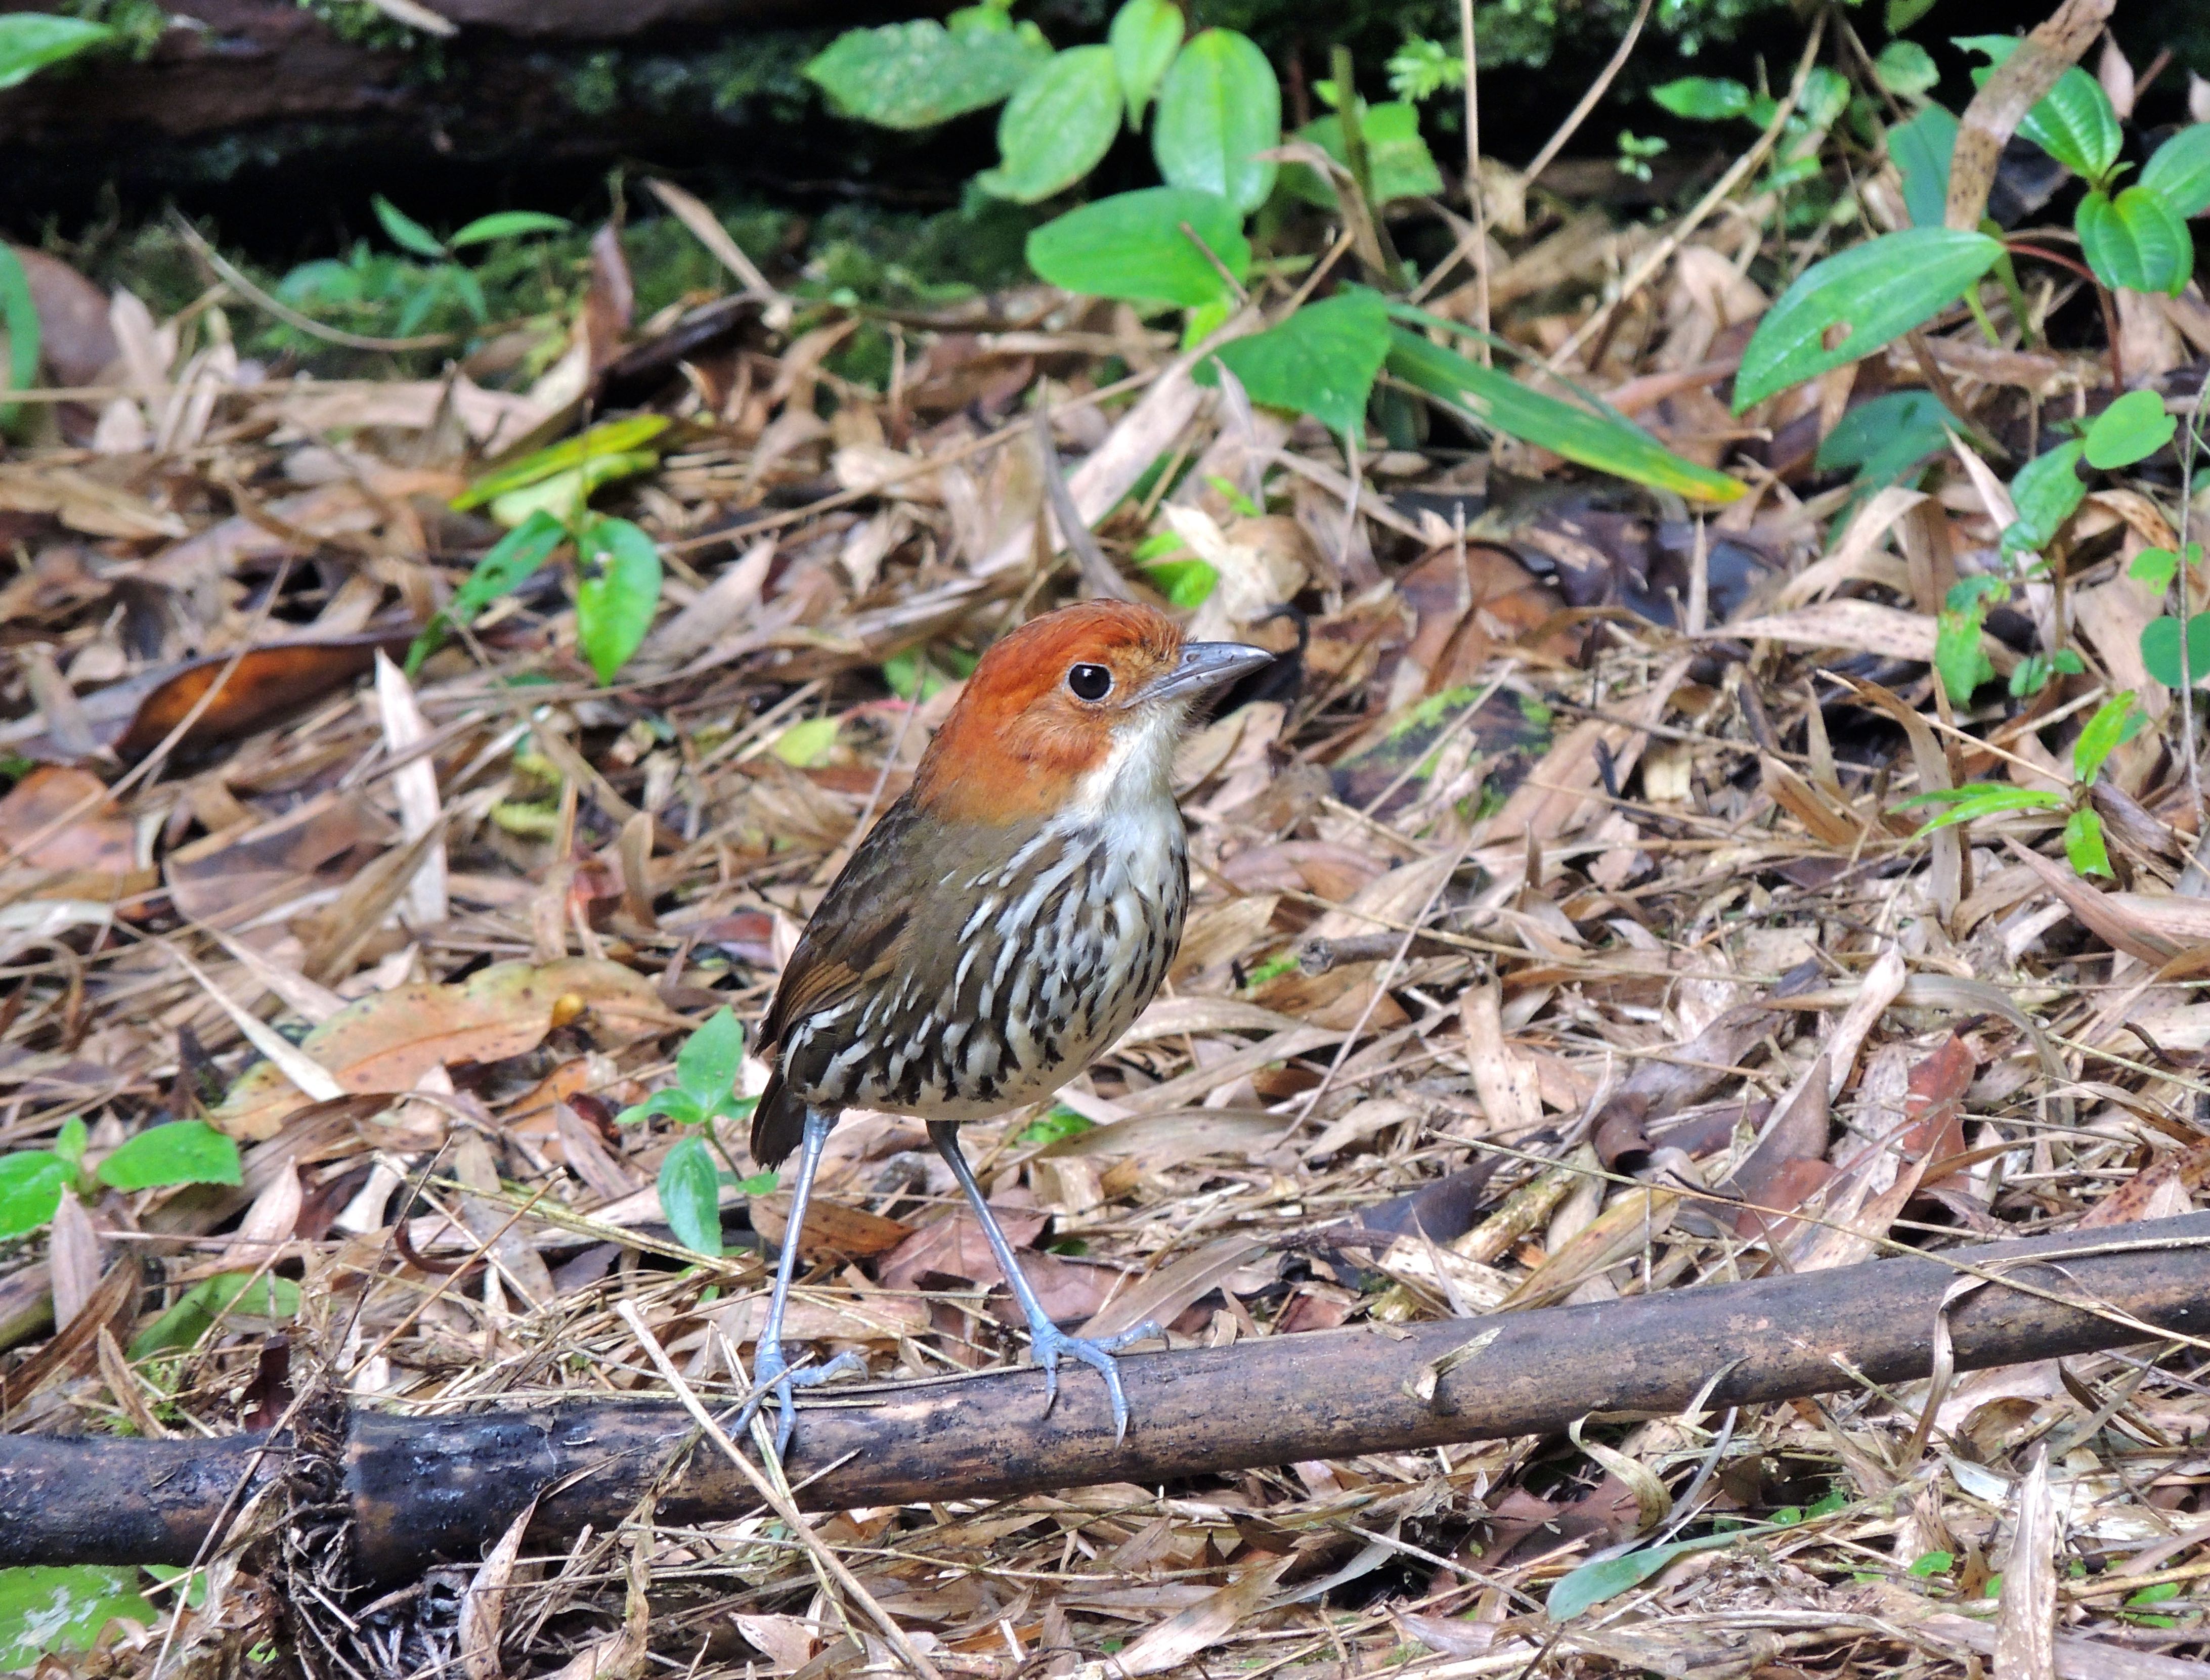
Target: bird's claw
point(1050, 1345)
point(773, 1375)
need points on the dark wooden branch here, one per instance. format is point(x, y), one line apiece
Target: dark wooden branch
point(426, 1488)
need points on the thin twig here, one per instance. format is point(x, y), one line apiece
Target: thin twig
point(1477, 201)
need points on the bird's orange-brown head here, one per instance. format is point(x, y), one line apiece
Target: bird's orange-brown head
point(1065, 707)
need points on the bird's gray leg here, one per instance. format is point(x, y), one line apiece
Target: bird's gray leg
point(771, 1371)
point(1050, 1342)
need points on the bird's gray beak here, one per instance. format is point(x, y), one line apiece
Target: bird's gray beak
point(1206, 664)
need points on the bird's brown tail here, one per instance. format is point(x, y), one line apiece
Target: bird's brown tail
point(778, 1124)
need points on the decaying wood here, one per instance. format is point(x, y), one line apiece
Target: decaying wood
point(426, 1488)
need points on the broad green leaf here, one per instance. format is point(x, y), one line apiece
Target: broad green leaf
point(406, 232)
point(2132, 429)
point(1902, 13)
point(212, 1300)
point(508, 224)
point(504, 566)
point(2160, 650)
point(2075, 122)
point(2180, 170)
point(1959, 657)
point(1986, 799)
point(1396, 155)
point(678, 1104)
point(48, 1612)
point(1703, 98)
point(565, 495)
point(1057, 126)
point(611, 437)
point(1888, 436)
point(29, 41)
point(1585, 1587)
point(18, 317)
point(1921, 149)
point(1877, 291)
point(914, 75)
point(1187, 584)
point(1500, 403)
point(806, 746)
point(2115, 721)
point(707, 1064)
point(70, 1141)
point(1905, 69)
point(2136, 240)
point(1131, 246)
point(691, 1195)
point(2046, 492)
point(1144, 37)
point(1321, 361)
point(31, 1183)
point(1219, 107)
point(180, 1152)
point(2083, 843)
point(2155, 567)
point(617, 592)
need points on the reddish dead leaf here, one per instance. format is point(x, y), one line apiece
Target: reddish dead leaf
point(832, 1229)
point(94, 837)
point(269, 682)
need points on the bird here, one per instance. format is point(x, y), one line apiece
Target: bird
point(997, 930)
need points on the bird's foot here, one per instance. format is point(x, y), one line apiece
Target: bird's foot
point(773, 1375)
point(1052, 1344)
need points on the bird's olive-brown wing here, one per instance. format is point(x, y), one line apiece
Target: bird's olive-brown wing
point(857, 932)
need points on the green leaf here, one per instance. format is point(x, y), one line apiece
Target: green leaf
point(2180, 170)
point(1397, 158)
point(1985, 799)
point(1589, 1586)
point(2083, 843)
point(70, 1140)
point(2046, 492)
point(1187, 584)
point(208, 1302)
point(612, 437)
point(1321, 361)
point(47, 1612)
point(807, 744)
point(2162, 1594)
point(1905, 69)
point(505, 565)
point(1144, 37)
point(181, 1152)
point(2115, 721)
point(1921, 149)
point(29, 41)
point(31, 1182)
point(914, 75)
point(617, 592)
point(1959, 657)
point(1902, 13)
point(19, 317)
point(1060, 1122)
point(2074, 123)
point(405, 231)
point(1500, 403)
point(2155, 567)
point(1933, 1564)
point(1888, 436)
point(711, 1058)
point(1057, 126)
point(565, 495)
point(1703, 98)
point(1877, 290)
point(1131, 246)
point(2136, 240)
point(678, 1105)
point(508, 224)
point(760, 1183)
point(2132, 429)
point(1219, 107)
point(691, 1195)
point(2159, 649)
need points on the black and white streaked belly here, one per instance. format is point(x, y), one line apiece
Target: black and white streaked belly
point(1068, 940)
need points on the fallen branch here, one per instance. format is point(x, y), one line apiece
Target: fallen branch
point(419, 1489)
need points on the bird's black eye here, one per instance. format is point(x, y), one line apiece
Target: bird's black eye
point(1090, 682)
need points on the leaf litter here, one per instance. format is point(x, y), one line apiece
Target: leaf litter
point(1556, 939)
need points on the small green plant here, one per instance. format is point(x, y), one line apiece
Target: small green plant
point(545, 499)
point(52, 1611)
point(180, 1152)
point(30, 41)
point(2116, 721)
point(379, 292)
point(705, 1091)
